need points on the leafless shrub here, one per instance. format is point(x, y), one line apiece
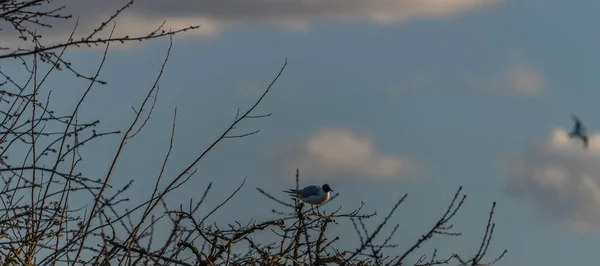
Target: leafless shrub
point(40, 224)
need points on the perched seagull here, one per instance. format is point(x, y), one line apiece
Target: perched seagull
point(579, 131)
point(314, 195)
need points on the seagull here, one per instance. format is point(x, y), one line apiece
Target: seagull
point(579, 131)
point(314, 195)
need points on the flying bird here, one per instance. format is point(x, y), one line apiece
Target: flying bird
point(579, 131)
point(314, 195)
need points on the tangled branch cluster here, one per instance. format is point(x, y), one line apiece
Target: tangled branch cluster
point(43, 220)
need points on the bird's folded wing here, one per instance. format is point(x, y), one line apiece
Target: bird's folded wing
point(310, 191)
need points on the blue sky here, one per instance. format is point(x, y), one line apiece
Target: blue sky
point(417, 104)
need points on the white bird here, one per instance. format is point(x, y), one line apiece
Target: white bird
point(314, 195)
point(579, 131)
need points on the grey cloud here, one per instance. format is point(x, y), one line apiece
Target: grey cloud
point(305, 9)
point(214, 15)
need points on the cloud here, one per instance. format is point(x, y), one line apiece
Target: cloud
point(517, 77)
point(249, 89)
point(383, 11)
point(524, 79)
point(416, 82)
point(216, 15)
point(560, 178)
point(332, 153)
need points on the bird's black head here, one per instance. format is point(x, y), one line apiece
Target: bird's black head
point(326, 188)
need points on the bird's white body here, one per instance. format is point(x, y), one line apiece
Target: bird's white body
point(314, 195)
point(316, 199)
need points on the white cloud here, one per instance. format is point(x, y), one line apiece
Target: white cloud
point(416, 82)
point(517, 77)
point(250, 89)
point(524, 79)
point(215, 15)
point(560, 177)
point(339, 153)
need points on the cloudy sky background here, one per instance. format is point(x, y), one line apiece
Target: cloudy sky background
point(380, 98)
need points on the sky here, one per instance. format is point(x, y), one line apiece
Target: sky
point(379, 98)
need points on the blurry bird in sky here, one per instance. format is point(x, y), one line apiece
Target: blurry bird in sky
point(579, 131)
